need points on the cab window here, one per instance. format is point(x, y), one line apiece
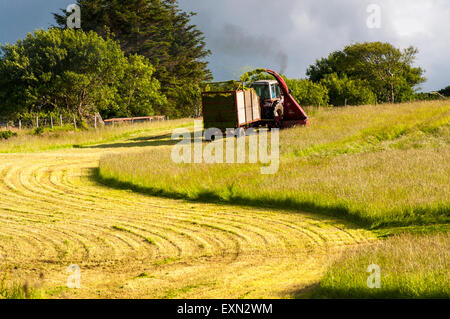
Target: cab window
point(273, 91)
point(262, 91)
point(278, 91)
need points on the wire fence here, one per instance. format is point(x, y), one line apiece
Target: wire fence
point(44, 121)
point(52, 121)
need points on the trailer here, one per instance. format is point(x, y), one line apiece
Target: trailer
point(267, 103)
point(231, 109)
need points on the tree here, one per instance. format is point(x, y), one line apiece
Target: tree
point(445, 92)
point(158, 30)
point(388, 71)
point(73, 71)
point(138, 93)
point(344, 91)
point(307, 92)
point(324, 66)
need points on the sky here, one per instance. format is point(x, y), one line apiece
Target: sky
point(286, 35)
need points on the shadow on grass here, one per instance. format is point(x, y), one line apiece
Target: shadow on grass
point(415, 218)
point(337, 211)
point(366, 293)
point(159, 140)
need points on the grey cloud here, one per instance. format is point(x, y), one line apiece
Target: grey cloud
point(302, 31)
point(236, 41)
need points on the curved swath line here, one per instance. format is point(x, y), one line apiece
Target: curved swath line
point(213, 241)
point(95, 230)
point(24, 239)
point(54, 197)
point(242, 223)
point(43, 246)
point(157, 235)
point(73, 192)
point(193, 244)
point(336, 236)
point(42, 176)
point(236, 229)
point(357, 239)
point(238, 224)
point(251, 217)
point(165, 228)
point(315, 238)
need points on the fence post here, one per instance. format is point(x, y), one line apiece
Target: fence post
point(37, 121)
point(20, 124)
point(60, 120)
point(74, 121)
point(345, 102)
point(95, 121)
point(51, 121)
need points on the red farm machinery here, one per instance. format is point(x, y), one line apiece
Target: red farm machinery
point(266, 103)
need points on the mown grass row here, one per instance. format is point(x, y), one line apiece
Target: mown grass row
point(384, 165)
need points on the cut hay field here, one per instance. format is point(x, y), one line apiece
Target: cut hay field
point(54, 213)
point(139, 227)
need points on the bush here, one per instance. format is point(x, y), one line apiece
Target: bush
point(4, 135)
point(308, 93)
point(446, 91)
point(340, 89)
point(38, 130)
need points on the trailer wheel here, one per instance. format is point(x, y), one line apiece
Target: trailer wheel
point(240, 132)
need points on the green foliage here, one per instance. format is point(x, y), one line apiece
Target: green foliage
point(4, 135)
point(324, 66)
point(385, 70)
point(340, 89)
point(38, 130)
point(70, 71)
point(426, 96)
point(160, 31)
point(138, 92)
point(446, 91)
point(307, 92)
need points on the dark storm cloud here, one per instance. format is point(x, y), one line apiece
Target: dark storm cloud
point(286, 35)
point(237, 42)
point(239, 33)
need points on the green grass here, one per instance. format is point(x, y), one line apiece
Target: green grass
point(17, 291)
point(411, 266)
point(379, 166)
point(67, 137)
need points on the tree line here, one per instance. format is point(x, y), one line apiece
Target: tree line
point(364, 73)
point(145, 57)
point(130, 58)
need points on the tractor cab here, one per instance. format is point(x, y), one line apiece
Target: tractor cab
point(271, 99)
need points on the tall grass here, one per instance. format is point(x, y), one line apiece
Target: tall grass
point(411, 266)
point(376, 165)
point(17, 291)
point(27, 141)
